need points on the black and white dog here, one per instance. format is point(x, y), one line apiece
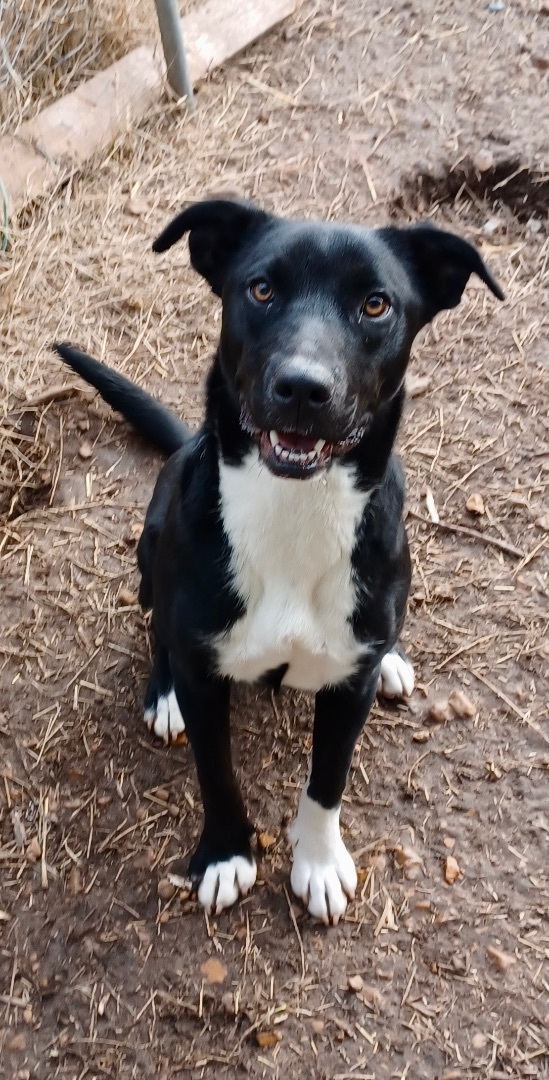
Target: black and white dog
point(274, 548)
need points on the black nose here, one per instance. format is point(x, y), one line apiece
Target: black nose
point(302, 387)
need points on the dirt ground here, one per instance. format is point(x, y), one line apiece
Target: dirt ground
point(368, 113)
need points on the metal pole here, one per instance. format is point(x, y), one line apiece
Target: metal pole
point(169, 23)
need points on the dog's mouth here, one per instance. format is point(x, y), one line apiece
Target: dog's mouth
point(293, 455)
point(289, 454)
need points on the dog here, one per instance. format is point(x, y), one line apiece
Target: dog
point(274, 548)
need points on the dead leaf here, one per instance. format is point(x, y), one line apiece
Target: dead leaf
point(355, 983)
point(214, 971)
point(265, 840)
point(409, 860)
point(475, 504)
point(372, 998)
point(449, 842)
point(34, 850)
point(502, 960)
point(267, 1039)
point(85, 450)
point(461, 704)
point(440, 711)
point(126, 598)
point(451, 870)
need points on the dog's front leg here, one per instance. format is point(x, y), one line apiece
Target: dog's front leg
point(222, 866)
point(323, 871)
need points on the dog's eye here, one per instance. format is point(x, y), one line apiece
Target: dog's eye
point(261, 291)
point(375, 306)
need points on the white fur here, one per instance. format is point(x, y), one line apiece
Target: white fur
point(396, 678)
point(291, 546)
point(323, 872)
point(224, 882)
point(166, 720)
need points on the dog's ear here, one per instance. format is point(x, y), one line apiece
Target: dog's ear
point(217, 228)
point(440, 264)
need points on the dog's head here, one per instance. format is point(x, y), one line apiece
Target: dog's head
point(318, 319)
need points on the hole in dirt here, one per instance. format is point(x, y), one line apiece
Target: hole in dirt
point(511, 184)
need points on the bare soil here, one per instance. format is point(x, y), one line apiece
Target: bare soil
point(369, 113)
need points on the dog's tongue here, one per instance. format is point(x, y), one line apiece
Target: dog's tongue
point(292, 441)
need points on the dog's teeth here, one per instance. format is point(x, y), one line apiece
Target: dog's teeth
point(284, 454)
point(278, 449)
point(273, 436)
point(311, 455)
point(319, 445)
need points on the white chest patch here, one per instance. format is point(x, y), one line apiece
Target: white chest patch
point(291, 543)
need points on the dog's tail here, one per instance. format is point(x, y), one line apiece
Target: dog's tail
point(146, 415)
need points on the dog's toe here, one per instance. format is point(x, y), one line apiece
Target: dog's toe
point(165, 719)
point(224, 882)
point(396, 679)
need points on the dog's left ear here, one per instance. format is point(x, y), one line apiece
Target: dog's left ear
point(217, 228)
point(441, 265)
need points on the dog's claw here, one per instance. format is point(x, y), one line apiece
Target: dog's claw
point(396, 678)
point(164, 719)
point(224, 882)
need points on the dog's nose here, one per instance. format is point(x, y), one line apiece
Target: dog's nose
point(303, 386)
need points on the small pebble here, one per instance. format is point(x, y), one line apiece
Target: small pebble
point(475, 504)
point(483, 160)
point(451, 870)
point(165, 889)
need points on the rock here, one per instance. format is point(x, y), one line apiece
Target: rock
point(355, 983)
point(483, 159)
point(475, 504)
point(85, 450)
point(165, 889)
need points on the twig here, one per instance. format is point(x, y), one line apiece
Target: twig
point(57, 392)
point(298, 935)
point(474, 534)
point(518, 712)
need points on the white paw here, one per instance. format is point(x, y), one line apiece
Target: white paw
point(166, 720)
point(396, 679)
point(323, 872)
point(224, 882)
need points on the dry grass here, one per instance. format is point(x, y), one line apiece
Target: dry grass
point(47, 47)
point(101, 972)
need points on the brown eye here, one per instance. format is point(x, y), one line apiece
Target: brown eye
point(261, 291)
point(375, 306)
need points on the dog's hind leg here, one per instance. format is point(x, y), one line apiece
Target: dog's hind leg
point(162, 713)
point(396, 679)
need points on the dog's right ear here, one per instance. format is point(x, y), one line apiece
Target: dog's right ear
point(217, 228)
